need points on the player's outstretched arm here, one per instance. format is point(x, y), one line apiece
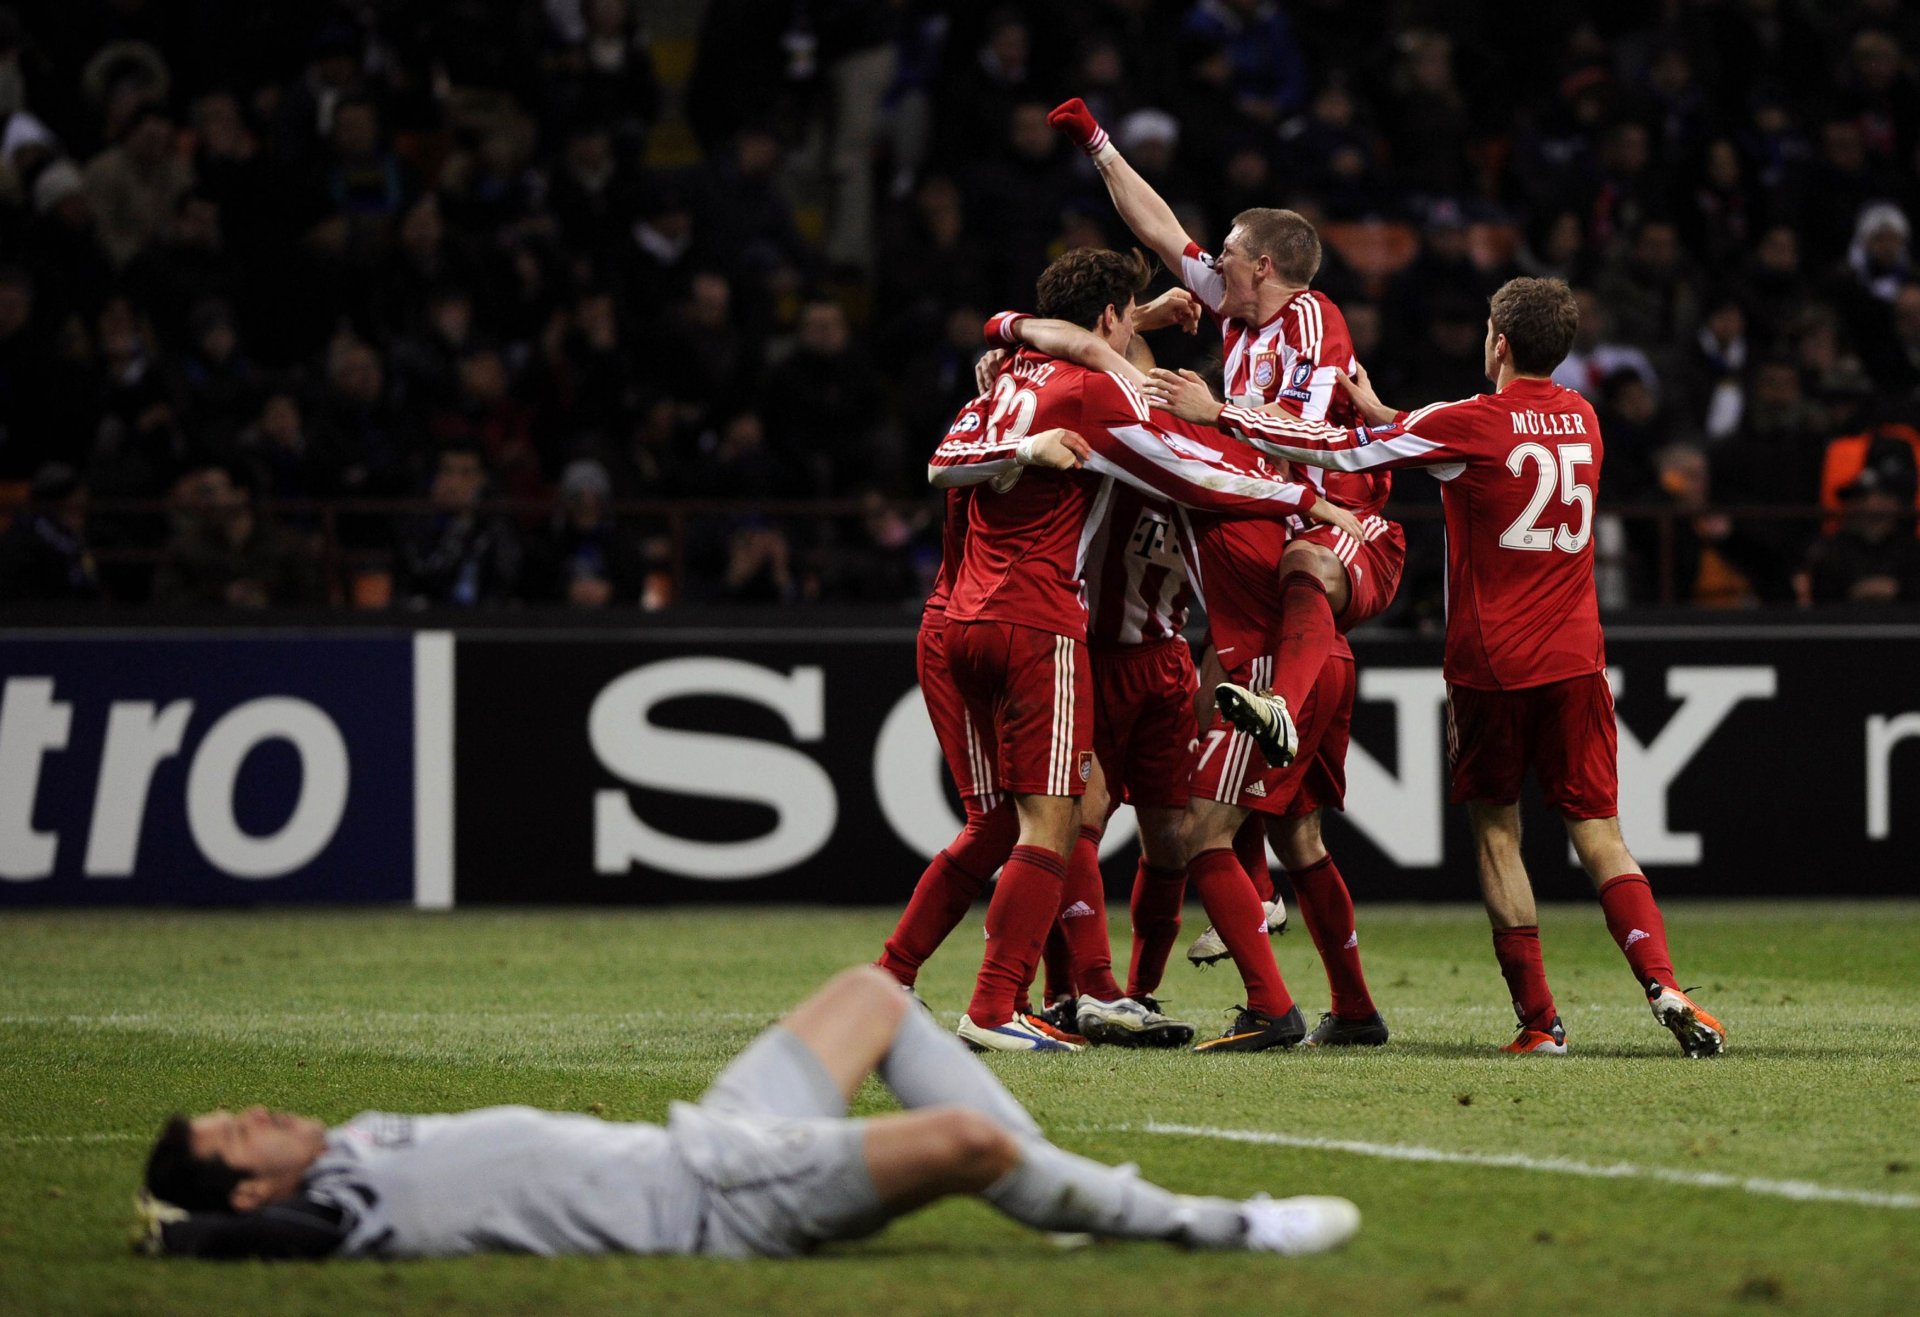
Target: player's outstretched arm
point(1065, 340)
point(965, 460)
point(1144, 210)
point(1360, 389)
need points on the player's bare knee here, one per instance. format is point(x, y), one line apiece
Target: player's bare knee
point(1297, 842)
point(978, 1144)
point(869, 991)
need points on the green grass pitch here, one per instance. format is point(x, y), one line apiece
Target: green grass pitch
point(109, 1021)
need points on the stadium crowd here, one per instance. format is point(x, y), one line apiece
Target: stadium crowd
point(260, 260)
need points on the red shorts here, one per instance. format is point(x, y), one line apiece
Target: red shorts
point(1030, 692)
point(1373, 568)
point(969, 757)
point(1143, 721)
point(1230, 768)
point(1563, 731)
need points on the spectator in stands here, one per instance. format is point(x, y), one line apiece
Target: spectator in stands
point(367, 444)
point(1597, 352)
point(62, 246)
point(1713, 379)
point(1702, 557)
point(44, 555)
point(225, 553)
point(1775, 457)
point(1650, 290)
point(1269, 69)
point(584, 559)
point(212, 385)
point(1894, 359)
point(43, 412)
point(1776, 286)
point(827, 402)
point(134, 184)
point(1636, 430)
point(275, 446)
point(1873, 558)
point(457, 555)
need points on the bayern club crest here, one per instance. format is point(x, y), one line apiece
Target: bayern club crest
point(1266, 368)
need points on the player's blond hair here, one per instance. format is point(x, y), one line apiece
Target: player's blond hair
point(1285, 237)
point(1086, 281)
point(1538, 317)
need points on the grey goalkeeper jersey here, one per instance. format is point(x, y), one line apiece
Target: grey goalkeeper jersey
point(509, 1179)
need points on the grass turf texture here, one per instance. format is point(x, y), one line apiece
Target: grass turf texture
point(109, 1021)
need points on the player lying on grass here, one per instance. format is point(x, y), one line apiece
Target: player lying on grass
point(766, 1164)
point(1526, 663)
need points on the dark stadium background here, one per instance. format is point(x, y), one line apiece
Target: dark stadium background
point(700, 284)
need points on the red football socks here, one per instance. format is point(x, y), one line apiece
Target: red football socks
point(948, 889)
point(1241, 923)
point(1157, 894)
point(1057, 958)
point(1250, 844)
point(1327, 907)
point(1025, 903)
point(1305, 638)
point(1634, 920)
point(1519, 953)
point(1083, 919)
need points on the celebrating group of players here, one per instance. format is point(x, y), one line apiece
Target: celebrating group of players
point(1092, 497)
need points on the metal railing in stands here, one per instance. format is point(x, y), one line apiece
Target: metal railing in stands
point(674, 516)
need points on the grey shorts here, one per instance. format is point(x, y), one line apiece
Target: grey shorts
point(784, 1168)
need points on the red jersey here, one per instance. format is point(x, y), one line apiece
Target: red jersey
point(1295, 360)
point(1519, 469)
point(1028, 542)
point(953, 546)
point(1138, 590)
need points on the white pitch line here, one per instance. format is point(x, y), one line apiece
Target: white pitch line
point(1800, 1190)
point(22, 1140)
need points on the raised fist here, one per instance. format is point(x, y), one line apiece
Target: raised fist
point(1075, 120)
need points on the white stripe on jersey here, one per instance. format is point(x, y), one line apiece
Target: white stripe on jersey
point(1140, 410)
point(1415, 417)
point(1312, 324)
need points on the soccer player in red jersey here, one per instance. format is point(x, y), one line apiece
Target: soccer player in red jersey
point(959, 873)
point(1016, 620)
point(1138, 592)
point(1525, 659)
point(1286, 347)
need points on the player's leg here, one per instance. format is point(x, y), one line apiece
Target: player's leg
point(1326, 907)
point(814, 1059)
point(1313, 592)
point(1508, 894)
point(1033, 691)
point(1270, 1017)
point(1634, 920)
point(1159, 889)
point(1576, 758)
point(965, 1133)
point(957, 875)
point(1250, 847)
point(920, 1156)
point(950, 885)
point(1083, 904)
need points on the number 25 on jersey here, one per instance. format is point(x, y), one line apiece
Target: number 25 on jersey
point(1555, 470)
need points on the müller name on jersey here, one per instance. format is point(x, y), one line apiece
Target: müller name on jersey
point(1549, 423)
